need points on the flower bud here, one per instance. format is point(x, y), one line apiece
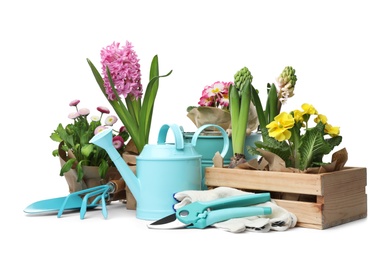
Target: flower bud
point(286, 82)
point(241, 76)
point(287, 77)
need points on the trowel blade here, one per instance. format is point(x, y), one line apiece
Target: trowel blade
point(54, 205)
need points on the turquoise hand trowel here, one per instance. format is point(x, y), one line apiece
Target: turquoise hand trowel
point(80, 200)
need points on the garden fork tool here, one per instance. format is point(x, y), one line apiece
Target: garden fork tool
point(80, 200)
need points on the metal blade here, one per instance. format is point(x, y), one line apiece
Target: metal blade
point(168, 222)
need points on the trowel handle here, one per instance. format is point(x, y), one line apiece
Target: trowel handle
point(118, 185)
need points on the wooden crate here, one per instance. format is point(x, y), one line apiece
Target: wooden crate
point(331, 199)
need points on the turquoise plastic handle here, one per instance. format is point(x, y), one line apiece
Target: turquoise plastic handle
point(177, 132)
point(223, 132)
point(225, 214)
point(202, 214)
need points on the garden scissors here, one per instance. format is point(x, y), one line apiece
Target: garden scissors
point(203, 214)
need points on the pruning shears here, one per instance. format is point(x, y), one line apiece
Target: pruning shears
point(203, 214)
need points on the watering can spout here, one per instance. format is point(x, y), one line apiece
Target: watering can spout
point(104, 140)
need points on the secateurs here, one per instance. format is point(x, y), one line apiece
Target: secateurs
point(203, 214)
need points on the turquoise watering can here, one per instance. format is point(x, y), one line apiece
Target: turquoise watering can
point(163, 169)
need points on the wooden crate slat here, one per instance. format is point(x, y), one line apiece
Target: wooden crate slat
point(262, 180)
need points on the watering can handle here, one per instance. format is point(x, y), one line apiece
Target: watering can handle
point(177, 132)
point(223, 132)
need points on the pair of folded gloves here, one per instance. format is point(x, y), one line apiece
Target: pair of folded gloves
point(279, 220)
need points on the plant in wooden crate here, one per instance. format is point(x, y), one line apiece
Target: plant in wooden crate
point(83, 164)
point(300, 146)
point(291, 167)
point(242, 94)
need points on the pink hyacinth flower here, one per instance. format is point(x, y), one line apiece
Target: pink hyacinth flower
point(125, 71)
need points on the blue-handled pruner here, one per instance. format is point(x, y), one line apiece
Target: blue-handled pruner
point(202, 214)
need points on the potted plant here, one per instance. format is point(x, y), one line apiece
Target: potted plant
point(213, 108)
point(242, 94)
point(292, 138)
point(120, 83)
point(84, 164)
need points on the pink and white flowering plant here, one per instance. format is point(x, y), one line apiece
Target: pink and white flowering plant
point(214, 107)
point(74, 140)
point(121, 80)
point(216, 95)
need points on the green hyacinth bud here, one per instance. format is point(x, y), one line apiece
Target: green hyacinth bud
point(241, 76)
point(287, 77)
point(286, 82)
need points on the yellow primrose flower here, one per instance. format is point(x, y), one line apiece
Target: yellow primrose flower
point(298, 116)
point(309, 109)
point(332, 130)
point(321, 118)
point(278, 128)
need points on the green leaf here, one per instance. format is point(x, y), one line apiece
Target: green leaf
point(55, 153)
point(55, 137)
point(334, 141)
point(87, 149)
point(242, 124)
point(312, 145)
point(272, 103)
point(98, 77)
point(281, 149)
point(79, 170)
point(103, 167)
point(259, 110)
point(234, 107)
point(67, 166)
point(63, 134)
point(146, 111)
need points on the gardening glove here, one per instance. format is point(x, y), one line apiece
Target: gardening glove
point(279, 220)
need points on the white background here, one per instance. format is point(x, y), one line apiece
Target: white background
point(340, 50)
